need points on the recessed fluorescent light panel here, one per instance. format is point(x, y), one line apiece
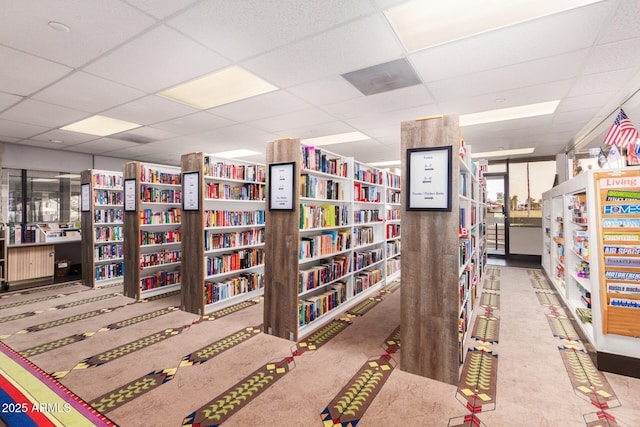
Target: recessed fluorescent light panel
point(426, 23)
point(232, 154)
point(338, 138)
point(222, 87)
point(385, 163)
point(512, 113)
point(501, 153)
point(100, 126)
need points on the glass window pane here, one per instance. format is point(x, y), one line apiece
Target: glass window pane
point(527, 182)
point(496, 167)
point(13, 205)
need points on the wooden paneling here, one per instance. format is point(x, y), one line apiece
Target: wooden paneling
point(88, 239)
point(31, 262)
point(132, 240)
point(430, 271)
point(193, 268)
point(282, 236)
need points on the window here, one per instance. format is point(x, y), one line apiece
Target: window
point(527, 182)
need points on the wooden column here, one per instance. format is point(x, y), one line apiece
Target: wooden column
point(131, 233)
point(429, 299)
point(282, 237)
point(86, 221)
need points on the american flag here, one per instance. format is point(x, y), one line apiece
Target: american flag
point(621, 133)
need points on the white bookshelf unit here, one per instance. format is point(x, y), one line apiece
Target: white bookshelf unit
point(223, 242)
point(103, 227)
point(393, 188)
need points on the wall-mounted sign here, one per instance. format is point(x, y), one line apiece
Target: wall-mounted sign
point(429, 179)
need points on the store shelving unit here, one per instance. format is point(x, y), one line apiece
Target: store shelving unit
point(103, 228)
point(393, 188)
point(223, 241)
point(153, 235)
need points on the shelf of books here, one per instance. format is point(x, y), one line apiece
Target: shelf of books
point(152, 229)
point(340, 227)
point(393, 187)
point(618, 207)
point(103, 227)
point(223, 241)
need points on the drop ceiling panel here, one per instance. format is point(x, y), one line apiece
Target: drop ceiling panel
point(241, 29)
point(96, 27)
point(410, 97)
point(7, 100)
point(150, 109)
point(202, 121)
point(151, 133)
point(158, 59)
point(293, 120)
point(22, 74)
point(103, 145)
point(540, 38)
point(624, 24)
point(161, 9)
point(392, 118)
point(601, 82)
point(242, 135)
point(532, 73)
point(359, 44)
point(614, 56)
point(321, 129)
point(329, 90)
point(68, 138)
point(87, 92)
point(260, 107)
point(591, 101)
point(42, 114)
point(12, 129)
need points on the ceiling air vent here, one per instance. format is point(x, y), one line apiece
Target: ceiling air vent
point(383, 77)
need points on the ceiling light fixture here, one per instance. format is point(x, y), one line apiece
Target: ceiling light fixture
point(232, 154)
point(222, 87)
point(386, 163)
point(59, 26)
point(100, 126)
point(512, 113)
point(337, 138)
point(505, 153)
point(56, 141)
point(421, 24)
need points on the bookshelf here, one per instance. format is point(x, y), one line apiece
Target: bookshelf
point(223, 240)
point(337, 232)
point(393, 246)
point(153, 234)
point(103, 227)
point(594, 261)
point(4, 285)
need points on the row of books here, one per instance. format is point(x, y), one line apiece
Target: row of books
point(233, 218)
point(393, 181)
point(393, 214)
point(160, 258)
point(217, 169)
point(219, 291)
point(157, 195)
point(464, 286)
point(214, 240)
point(324, 273)
point(366, 193)
point(464, 179)
point(366, 215)
point(327, 243)
point(108, 216)
point(107, 180)
point(393, 265)
point(363, 236)
point(109, 271)
point(372, 176)
point(107, 197)
point(170, 216)
point(365, 279)
point(313, 307)
point(321, 188)
point(160, 279)
point(222, 191)
point(393, 248)
point(316, 159)
point(393, 197)
point(362, 259)
point(323, 216)
point(160, 237)
point(464, 251)
point(393, 231)
point(239, 260)
point(108, 252)
point(108, 234)
point(156, 176)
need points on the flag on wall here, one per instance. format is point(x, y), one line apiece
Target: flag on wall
point(633, 151)
point(621, 133)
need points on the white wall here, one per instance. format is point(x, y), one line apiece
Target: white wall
point(525, 240)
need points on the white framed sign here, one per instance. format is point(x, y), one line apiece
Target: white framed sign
point(429, 179)
point(191, 191)
point(281, 186)
point(85, 198)
point(130, 195)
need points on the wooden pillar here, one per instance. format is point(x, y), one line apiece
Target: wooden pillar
point(131, 233)
point(282, 242)
point(88, 239)
point(429, 300)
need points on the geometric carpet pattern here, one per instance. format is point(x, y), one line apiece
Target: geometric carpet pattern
point(587, 382)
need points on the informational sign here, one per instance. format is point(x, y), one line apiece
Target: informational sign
point(85, 197)
point(191, 191)
point(429, 179)
point(281, 185)
point(130, 195)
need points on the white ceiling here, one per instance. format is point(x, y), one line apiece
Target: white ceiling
point(120, 53)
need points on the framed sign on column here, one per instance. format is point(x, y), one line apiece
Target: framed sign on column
point(429, 179)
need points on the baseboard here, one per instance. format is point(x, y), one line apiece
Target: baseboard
point(617, 364)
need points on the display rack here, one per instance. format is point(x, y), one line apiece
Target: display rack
point(393, 188)
point(103, 225)
point(223, 240)
point(4, 285)
point(153, 235)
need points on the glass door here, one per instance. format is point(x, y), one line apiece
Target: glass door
point(497, 214)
